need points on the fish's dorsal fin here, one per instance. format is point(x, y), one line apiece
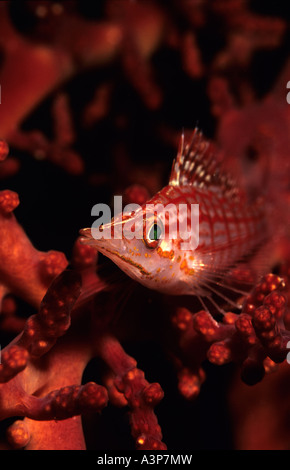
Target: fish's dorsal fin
point(196, 165)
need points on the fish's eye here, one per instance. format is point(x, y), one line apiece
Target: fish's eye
point(153, 235)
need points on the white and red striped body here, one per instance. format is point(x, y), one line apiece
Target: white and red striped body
point(229, 230)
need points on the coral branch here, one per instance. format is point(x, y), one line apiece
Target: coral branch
point(66, 402)
point(42, 330)
point(24, 270)
point(141, 396)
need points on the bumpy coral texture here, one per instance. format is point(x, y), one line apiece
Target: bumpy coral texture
point(93, 98)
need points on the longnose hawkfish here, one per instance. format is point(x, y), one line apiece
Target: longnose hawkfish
point(230, 230)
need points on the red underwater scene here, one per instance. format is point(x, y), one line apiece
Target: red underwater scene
point(140, 344)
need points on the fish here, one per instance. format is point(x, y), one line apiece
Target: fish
point(230, 230)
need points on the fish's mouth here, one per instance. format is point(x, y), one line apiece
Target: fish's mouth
point(116, 251)
point(126, 260)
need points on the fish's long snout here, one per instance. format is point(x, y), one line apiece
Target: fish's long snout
point(103, 243)
point(86, 237)
point(86, 232)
